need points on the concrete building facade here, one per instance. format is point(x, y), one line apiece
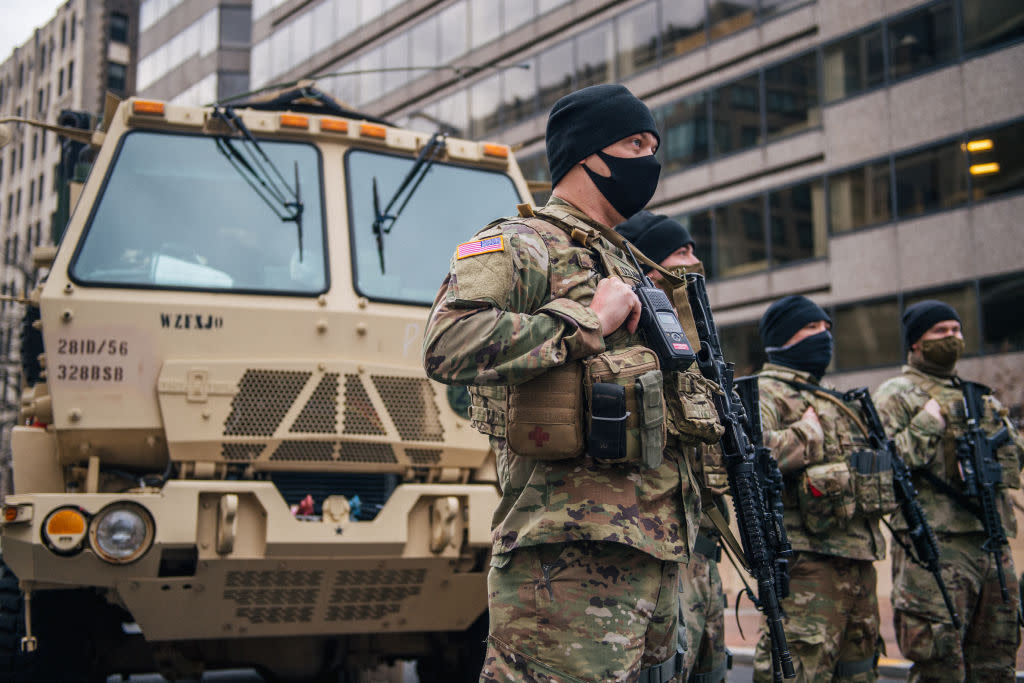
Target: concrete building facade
point(87, 49)
point(194, 51)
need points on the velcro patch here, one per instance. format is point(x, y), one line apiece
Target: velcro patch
point(484, 246)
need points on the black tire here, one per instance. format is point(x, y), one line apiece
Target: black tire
point(459, 657)
point(66, 651)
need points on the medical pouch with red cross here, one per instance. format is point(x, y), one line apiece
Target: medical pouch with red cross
point(545, 414)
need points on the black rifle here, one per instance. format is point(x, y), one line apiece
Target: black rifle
point(739, 456)
point(922, 537)
point(982, 473)
point(769, 479)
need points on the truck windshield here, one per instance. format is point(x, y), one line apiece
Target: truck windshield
point(449, 205)
point(176, 213)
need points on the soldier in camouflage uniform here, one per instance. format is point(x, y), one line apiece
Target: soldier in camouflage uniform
point(831, 509)
point(923, 410)
point(584, 568)
point(701, 599)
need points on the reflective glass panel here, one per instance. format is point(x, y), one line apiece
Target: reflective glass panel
point(741, 344)
point(683, 23)
point(698, 224)
point(930, 180)
point(454, 38)
point(484, 110)
point(860, 197)
point(798, 223)
point(740, 238)
point(421, 242)
point(684, 132)
point(854, 64)
point(424, 48)
point(729, 16)
point(637, 37)
point(867, 335)
point(1000, 314)
point(735, 110)
point(485, 21)
point(791, 96)
point(921, 40)
point(519, 93)
point(996, 161)
point(208, 228)
point(555, 68)
point(595, 50)
point(988, 23)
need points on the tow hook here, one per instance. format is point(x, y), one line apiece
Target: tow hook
point(29, 642)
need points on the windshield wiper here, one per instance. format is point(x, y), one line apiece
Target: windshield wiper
point(260, 172)
point(434, 147)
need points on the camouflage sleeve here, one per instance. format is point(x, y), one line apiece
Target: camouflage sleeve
point(490, 325)
point(1016, 439)
point(915, 432)
point(796, 443)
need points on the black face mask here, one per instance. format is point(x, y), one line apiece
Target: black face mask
point(631, 184)
point(811, 354)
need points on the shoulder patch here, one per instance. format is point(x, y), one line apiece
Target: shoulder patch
point(477, 247)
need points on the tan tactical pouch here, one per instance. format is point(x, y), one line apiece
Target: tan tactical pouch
point(1006, 455)
point(636, 369)
point(691, 408)
point(826, 497)
point(871, 474)
point(545, 415)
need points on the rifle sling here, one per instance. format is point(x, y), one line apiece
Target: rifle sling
point(715, 516)
point(835, 397)
point(944, 488)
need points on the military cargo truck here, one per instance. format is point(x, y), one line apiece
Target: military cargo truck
point(232, 456)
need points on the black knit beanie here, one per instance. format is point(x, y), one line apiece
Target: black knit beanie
point(588, 120)
point(920, 317)
point(655, 235)
point(786, 317)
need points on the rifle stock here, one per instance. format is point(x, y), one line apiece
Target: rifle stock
point(740, 458)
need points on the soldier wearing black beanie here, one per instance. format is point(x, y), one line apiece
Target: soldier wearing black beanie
point(655, 235)
point(920, 317)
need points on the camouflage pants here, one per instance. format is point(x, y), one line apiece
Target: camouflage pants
point(702, 614)
point(582, 611)
point(986, 647)
point(831, 619)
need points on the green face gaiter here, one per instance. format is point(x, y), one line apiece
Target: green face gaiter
point(940, 355)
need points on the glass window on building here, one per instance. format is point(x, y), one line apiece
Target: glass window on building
point(117, 77)
point(930, 180)
point(484, 110)
point(684, 132)
point(741, 344)
point(595, 51)
point(683, 23)
point(988, 23)
point(371, 79)
point(118, 27)
point(996, 161)
point(867, 335)
point(370, 10)
point(535, 170)
point(396, 63)
point(770, 7)
point(740, 238)
point(791, 96)
point(1001, 321)
point(736, 113)
point(236, 25)
point(548, 5)
point(555, 69)
point(698, 224)
point(964, 300)
point(454, 30)
point(519, 93)
point(485, 21)
point(854, 64)
point(516, 13)
point(730, 16)
point(921, 40)
point(231, 83)
point(453, 113)
point(425, 45)
point(637, 38)
point(859, 197)
point(324, 28)
point(797, 217)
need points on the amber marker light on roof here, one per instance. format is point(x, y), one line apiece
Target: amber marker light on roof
point(334, 125)
point(148, 107)
point(985, 169)
point(493, 150)
point(372, 130)
point(294, 121)
point(979, 145)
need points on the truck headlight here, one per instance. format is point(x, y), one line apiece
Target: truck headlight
point(64, 530)
point(121, 532)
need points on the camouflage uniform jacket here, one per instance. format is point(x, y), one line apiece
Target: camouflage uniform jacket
point(798, 444)
point(505, 317)
point(924, 446)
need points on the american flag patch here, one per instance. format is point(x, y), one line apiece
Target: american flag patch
point(484, 246)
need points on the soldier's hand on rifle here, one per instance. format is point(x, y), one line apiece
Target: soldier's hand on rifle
point(933, 409)
point(614, 303)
